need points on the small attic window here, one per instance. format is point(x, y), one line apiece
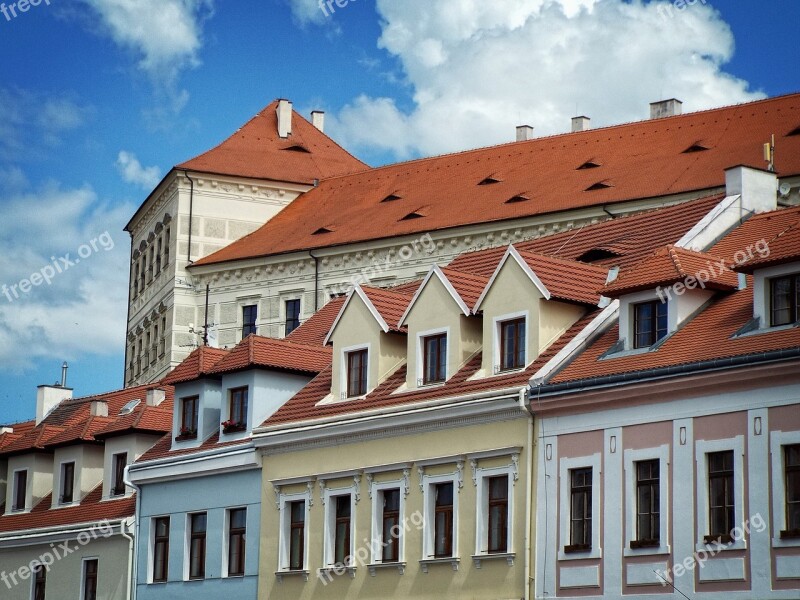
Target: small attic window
point(517, 198)
point(795, 131)
point(412, 215)
point(696, 147)
point(589, 164)
point(596, 254)
point(297, 148)
point(392, 198)
point(600, 185)
point(489, 181)
point(129, 407)
point(322, 230)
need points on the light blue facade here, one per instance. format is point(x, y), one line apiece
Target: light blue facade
point(214, 494)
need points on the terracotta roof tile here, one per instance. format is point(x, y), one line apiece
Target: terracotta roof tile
point(468, 286)
point(783, 247)
point(285, 355)
point(390, 305)
point(198, 363)
point(567, 279)
point(643, 160)
point(257, 151)
point(161, 449)
point(316, 329)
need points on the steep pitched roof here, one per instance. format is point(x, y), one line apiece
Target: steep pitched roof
point(198, 363)
point(567, 279)
point(670, 264)
point(284, 355)
point(637, 160)
point(464, 288)
point(316, 329)
point(782, 248)
point(257, 151)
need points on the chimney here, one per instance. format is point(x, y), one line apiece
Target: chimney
point(580, 124)
point(48, 397)
point(64, 368)
point(666, 108)
point(155, 397)
point(99, 408)
point(284, 118)
point(524, 133)
point(318, 120)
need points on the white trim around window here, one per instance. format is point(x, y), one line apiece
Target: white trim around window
point(284, 535)
point(11, 509)
point(661, 453)
point(429, 500)
point(84, 560)
point(420, 375)
point(376, 551)
point(779, 439)
point(497, 337)
point(702, 449)
point(565, 465)
point(151, 548)
point(329, 496)
point(481, 481)
point(344, 374)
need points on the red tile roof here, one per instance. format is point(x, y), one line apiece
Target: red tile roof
point(468, 286)
point(284, 355)
point(91, 510)
point(567, 279)
point(783, 247)
point(258, 152)
point(670, 264)
point(640, 160)
point(316, 329)
point(197, 364)
point(390, 305)
point(162, 448)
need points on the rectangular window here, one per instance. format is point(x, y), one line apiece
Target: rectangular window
point(784, 300)
point(292, 315)
point(792, 467)
point(189, 417)
point(297, 534)
point(580, 527)
point(142, 272)
point(649, 323)
point(119, 462)
point(20, 490)
point(163, 340)
point(356, 373)
point(512, 344)
point(90, 579)
point(238, 409)
point(39, 582)
point(197, 546)
point(249, 318)
point(443, 520)
point(648, 504)
point(158, 256)
point(390, 528)
point(166, 247)
point(435, 359)
point(67, 482)
point(237, 539)
point(498, 515)
point(341, 542)
point(721, 504)
point(160, 549)
point(134, 280)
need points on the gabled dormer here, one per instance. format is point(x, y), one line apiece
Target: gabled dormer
point(442, 331)
point(660, 293)
point(368, 343)
point(530, 300)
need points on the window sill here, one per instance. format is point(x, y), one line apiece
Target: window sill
point(373, 567)
point(720, 543)
point(234, 429)
point(337, 570)
point(654, 550)
point(279, 575)
point(509, 557)
point(578, 552)
point(428, 562)
point(786, 539)
point(186, 437)
point(790, 534)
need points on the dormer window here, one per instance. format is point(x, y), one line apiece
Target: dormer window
point(67, 483)
point(649, 323)
point(785, 300)
point(188, 430)
point(20, 490)
point(512, 344)
point(237, 415)
point(357, 362)
point(435, 359)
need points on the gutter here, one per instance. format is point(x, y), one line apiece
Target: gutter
point(524, 404)
point(316, 280)
point(134, 542)
point(129, 524)
point(67, 530)
point(645, 375)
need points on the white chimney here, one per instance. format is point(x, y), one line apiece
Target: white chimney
point(524, 133)
point(580, 124)
point(48, 397)
point(318, 120)
point(666, 108)
point(155, 397)
point(758, 188)
point(99, 408)
point(284, 118)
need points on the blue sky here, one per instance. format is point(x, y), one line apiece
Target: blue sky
point(99, 98)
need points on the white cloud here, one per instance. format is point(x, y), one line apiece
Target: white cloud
point(307, 11)
point(82, 310)
point(478, 69)
point(132, 171)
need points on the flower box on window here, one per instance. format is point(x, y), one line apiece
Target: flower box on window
point(186, 434)
point(232, 426)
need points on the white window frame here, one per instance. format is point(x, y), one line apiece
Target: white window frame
point(631, 457)
point(497, 351)
point(287, 297)
point(285, 525)
point(762, 293)
point(564, 467)
point(60, 488)
point(33, 578)
point(329, 528)
point(429, 499)
point(151, 548)
point(187, 545)
point(702, 449)
point(226, 541)
point(28, 500)
point(482, 476)
point(84, 560)
point(421, 356)
point(779, 439)
point(344, 374)
point(376, 492)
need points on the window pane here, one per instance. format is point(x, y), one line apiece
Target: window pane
point(292, 315)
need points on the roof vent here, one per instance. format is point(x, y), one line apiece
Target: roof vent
point(666, 108)
point(600, 185)
point(580, 124)
point(517, 198)
point(524, 133)
point(129, 407)
point(589, 164)
point(596, 254)
point(489, 181)
point(391, 198)
point(412, 215)
point(795, 131)
point(297, 148)
point(322, 230)
point(696, 147)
